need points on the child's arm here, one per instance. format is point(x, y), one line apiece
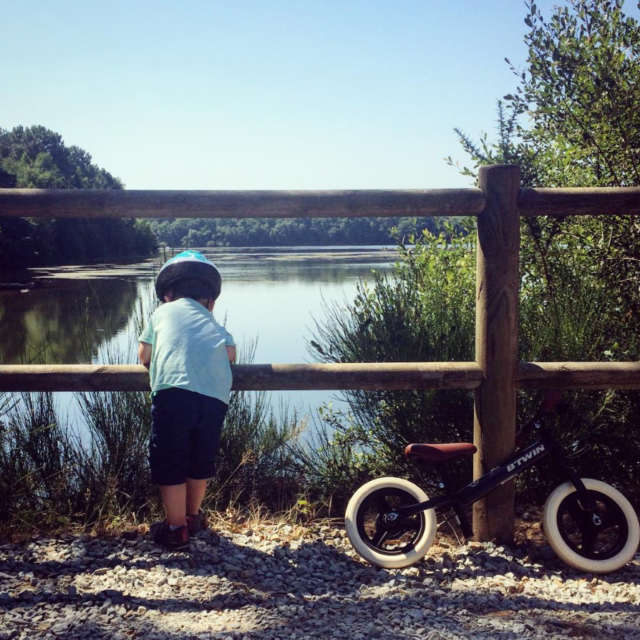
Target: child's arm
point(144, 353)
point(230, 344)
point(145, 343)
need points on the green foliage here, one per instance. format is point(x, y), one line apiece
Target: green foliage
point(580, 94)
point(52, 477)
point(424, 312)
point(508, 148)
point(35, 157)
point(580, 289)
point(39, 159)
point(270, 232)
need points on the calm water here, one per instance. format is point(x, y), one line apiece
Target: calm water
point(270, 297)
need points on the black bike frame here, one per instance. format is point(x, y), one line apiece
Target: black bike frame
point(479, 488)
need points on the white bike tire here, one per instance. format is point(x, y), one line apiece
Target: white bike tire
point(571, 557)
point(375, 556)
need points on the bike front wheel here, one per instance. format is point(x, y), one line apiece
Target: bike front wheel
point(598, 542)
point(385, 543)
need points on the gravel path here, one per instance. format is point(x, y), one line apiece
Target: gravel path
point(277, 582)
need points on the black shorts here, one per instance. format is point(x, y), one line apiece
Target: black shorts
point(185, 435)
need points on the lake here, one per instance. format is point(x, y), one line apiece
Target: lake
point(270, 297)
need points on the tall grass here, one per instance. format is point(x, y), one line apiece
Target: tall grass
point(55, 473)
point(52, 477)
point(36, 457)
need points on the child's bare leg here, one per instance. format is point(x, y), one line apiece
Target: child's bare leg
point(195, 495)
point(174, 499)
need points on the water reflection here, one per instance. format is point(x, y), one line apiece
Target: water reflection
point(84, 313)
point(272, 296)
point(311, 273)
point(310, 265)
point(63, 321)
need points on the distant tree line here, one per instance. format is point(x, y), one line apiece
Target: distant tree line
point(256, 232)
point(35, 157)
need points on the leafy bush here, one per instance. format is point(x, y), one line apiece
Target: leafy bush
point(425, 312)
point(52, 475)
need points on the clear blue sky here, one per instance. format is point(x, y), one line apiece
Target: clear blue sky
point(262, 94)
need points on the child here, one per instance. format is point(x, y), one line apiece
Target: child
point(188, 354)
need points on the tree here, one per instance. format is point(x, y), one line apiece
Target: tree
point(35, 157)
point(581, 93)
point(574, 121)
point(283, 232)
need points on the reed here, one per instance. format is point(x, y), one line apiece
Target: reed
point(57, 473)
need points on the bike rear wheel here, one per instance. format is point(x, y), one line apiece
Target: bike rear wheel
point(391, 545)
point(598, 542)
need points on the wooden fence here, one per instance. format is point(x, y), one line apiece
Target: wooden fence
point(494, 376)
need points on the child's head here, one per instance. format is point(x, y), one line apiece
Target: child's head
point(189, 275)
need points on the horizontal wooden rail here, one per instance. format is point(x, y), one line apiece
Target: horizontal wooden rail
point(578, 375)
point(392, 376)
point(618, 201)
point(396, 375)
point(253, 377)
point(74, 378)
point(80, 203)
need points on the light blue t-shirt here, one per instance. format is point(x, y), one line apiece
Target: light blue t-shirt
point(188, 350)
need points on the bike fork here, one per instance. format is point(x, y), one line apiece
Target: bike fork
point(585, 500)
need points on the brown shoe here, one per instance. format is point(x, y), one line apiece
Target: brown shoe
point(196, 523)
point(176, 540)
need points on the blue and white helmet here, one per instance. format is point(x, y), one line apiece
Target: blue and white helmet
point(188, 264)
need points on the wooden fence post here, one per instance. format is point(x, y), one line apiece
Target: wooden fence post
point(497, 284)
